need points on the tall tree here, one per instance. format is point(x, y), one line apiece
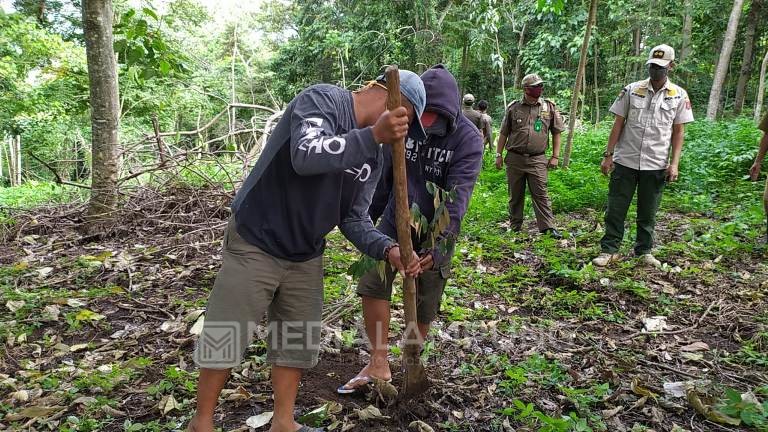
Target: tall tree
point(725, 58)
point(685, 51)
point(579, 79)
point(105, 105)
point(749, 55)
point(761, 88)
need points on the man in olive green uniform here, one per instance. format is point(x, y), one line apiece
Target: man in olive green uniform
point(475, 117)
point(643, 153)
point(754, 172)
point(525, 131)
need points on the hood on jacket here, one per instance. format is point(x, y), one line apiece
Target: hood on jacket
point(442, 94)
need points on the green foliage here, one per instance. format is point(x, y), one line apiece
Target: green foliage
point(143, 48)
point(751, 412)
point(35, 194)
point(175, 381)
point(528, 414)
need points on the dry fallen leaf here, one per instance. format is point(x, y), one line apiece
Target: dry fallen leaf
point(20, 396)
point(260, 420)
point(43, 272)
point(675, 389)
point(14, 305)
point(370, 413)
point(386, 391)
point(707, 411)
point(696, 346)
point(611, 412)
point(692, 356)
point(78, 347)
point(50, 313)
point(167, 404)
point(172, 326)
point(420, 426)
point(38, 411)
point(75, 303)
point(655, 324)
point(197, 327)
point(639, 390)
point(84, 400)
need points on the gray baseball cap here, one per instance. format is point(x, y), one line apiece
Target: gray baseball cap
point(412, 88)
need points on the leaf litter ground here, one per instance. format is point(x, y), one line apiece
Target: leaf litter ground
point(97, 331)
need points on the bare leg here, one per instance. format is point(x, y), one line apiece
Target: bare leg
point(423, 332)
point(209, 386)
point(376, 315)
point(285, 385)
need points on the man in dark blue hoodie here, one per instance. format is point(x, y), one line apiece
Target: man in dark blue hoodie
point(450, 158)
point(319, 170)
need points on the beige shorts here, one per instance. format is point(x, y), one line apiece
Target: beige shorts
point(250, 283)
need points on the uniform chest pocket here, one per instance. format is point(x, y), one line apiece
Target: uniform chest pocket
point(636, 110)
point(520, 118)
point(666, 114)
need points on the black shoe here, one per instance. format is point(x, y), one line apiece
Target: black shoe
point(553, 233)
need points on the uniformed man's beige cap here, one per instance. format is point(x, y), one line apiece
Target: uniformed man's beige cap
point(531, 80)
point(661, 55)
point(469, 98)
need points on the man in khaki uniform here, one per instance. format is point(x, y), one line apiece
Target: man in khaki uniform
point(487, 129)
point(475, 117)
point(643, 153)
point(754, 172)
point(525, 132)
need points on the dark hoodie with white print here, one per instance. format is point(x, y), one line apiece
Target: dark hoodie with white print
point(451, 160)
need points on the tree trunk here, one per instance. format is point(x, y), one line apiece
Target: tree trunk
point(501, 68)
point(761, 88)
point(519, 56)
point(685, 50)
point(596, 86)
point(748, 57)
point(636, 39)
point(577, 85)
point(105, 105)
point(464, 63)
point(724, 60)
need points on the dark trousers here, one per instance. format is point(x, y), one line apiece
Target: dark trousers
point(531, 171)
point(621, 190)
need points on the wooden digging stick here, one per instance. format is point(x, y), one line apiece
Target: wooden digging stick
point(415, 378)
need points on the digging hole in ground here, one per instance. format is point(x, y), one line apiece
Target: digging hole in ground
point(319, 384)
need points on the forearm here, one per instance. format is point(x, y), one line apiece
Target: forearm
point(366, 238)
point(763, 149)
point(677, 146)
point(500, 143)
point(613, 138)
point(556, 144)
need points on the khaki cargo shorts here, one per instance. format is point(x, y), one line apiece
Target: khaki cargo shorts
point(429, 289)
point(250, 283)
